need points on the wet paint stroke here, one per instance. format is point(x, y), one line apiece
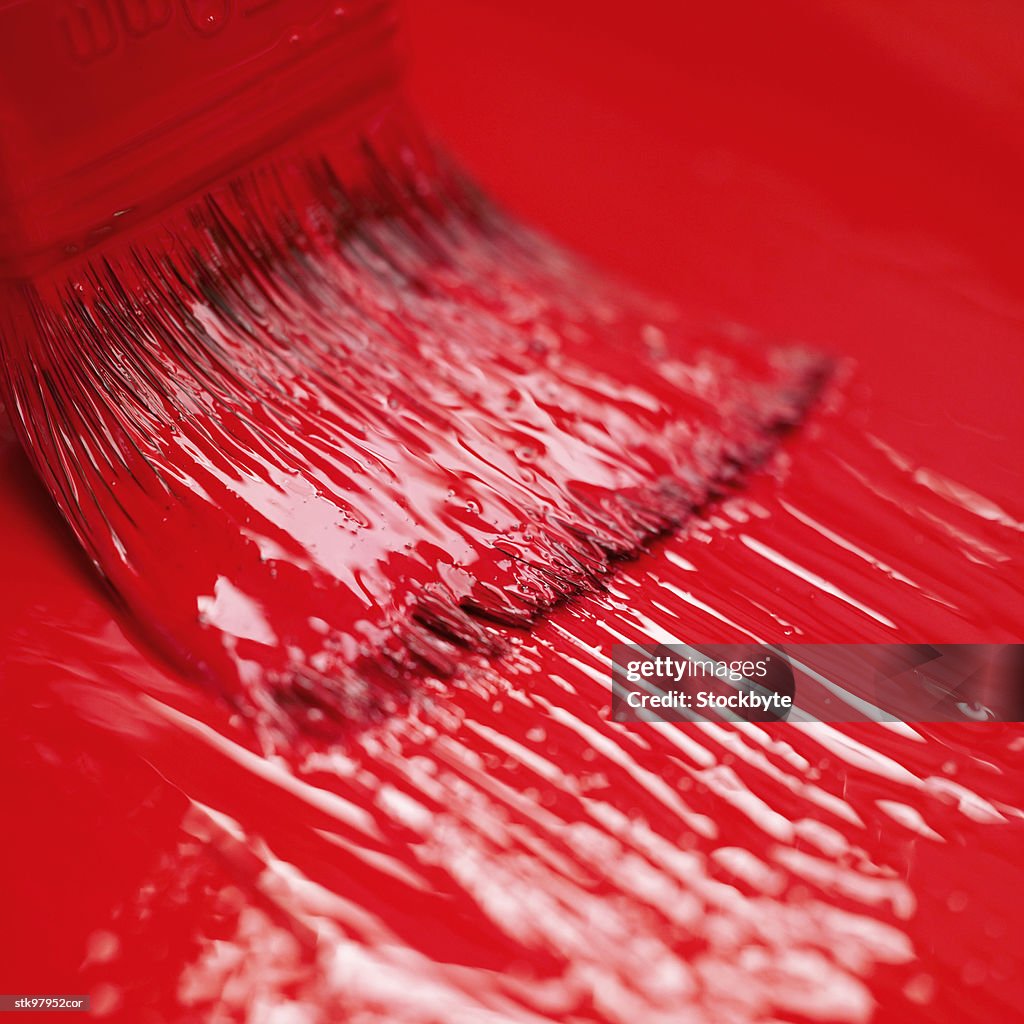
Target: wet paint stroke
point(503, 852)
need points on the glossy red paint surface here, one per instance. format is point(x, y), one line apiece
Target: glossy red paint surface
point(504, 853)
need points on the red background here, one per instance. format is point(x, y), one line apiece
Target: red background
point(847, 174)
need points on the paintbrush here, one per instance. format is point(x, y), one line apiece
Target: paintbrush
point(325, 419)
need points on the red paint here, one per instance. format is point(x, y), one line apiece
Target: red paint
point(545, 858)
